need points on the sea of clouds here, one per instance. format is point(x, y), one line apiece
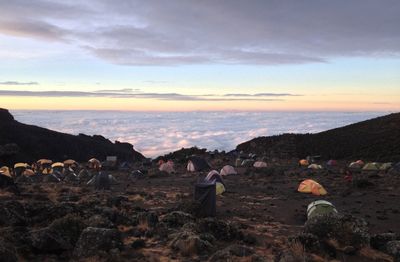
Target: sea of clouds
point(157, 133)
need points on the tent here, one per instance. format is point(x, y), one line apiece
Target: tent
point(70, 163)
point(355, 165)
point(228, 170)
point(320, 207)
point(57, 165)
point(94, 163)
point(214, 176)
point(5, 171)
point(360, 162)
point(385, 166)
point(196, 163)
point(371, 167)
point(259, 164)
point(331, 163)
point(44, 162)
point(304, 162)
point(19, 168)
point(167, 167)
point(310, 186)
point(314, 166)
point(28, 172)
point(20, 165)
point(219, 188)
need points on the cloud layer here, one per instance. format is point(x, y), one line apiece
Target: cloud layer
point(136, 93)
point(133, 32)
point(158, 133)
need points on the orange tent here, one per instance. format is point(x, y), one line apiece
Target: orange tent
point(310, 186)
point(5, 171)
point(303, 162)
point(28, 172)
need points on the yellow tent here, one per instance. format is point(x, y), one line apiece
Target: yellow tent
point(310, 186)
point(303, 162)
point(20, 165)
point(5, 171)
point(57, 164)
point(219, 188)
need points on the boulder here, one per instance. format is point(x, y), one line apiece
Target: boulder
point(346, 229)
point(189, 243)
point(230, 252)
point(12, 213)
point(177, 219)
point(94, 241)
point(379, 241)
point(219, 229)
point(148, 219)
point(7, 252)
point(59, 236)
point(393, 249)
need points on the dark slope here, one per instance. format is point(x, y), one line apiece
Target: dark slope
point(376, 139)
point(35, 142)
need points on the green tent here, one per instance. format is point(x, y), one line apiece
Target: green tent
point(371, 167)
point(320, 207)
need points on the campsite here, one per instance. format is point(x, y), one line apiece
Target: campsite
point(197, 205)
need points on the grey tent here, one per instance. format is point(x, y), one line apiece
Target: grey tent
point(196, 163)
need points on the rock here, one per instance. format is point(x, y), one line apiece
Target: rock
point(393, 249)
point(116, 201)
point(148, 219)
point(18, 237)
point(309, 241)
point(9, 149)
point(59, 236)
point(347, 229)
point(93, 241)
point(100, 221)
point(231, 251)
point(189, 243)
point(349, 250)
point(219, 229)
point(379, 241)
point(250, 239)
point(12, 213)
point(138, 243)
point(177, 219)
point(7, 252)
point(47, 241)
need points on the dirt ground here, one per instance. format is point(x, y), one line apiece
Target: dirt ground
point(264, 203)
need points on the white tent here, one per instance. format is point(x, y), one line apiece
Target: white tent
point(260, 164)
point(228, 170)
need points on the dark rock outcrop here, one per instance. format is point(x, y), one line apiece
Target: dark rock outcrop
point(376, 139)
point(28, 143)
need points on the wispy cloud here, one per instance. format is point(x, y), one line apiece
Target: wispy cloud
point(207, 32)
point(136, 93)
point(16, 83)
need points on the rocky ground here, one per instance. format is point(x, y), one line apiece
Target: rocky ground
point(261, 217)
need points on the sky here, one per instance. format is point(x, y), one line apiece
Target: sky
point(200, 55)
